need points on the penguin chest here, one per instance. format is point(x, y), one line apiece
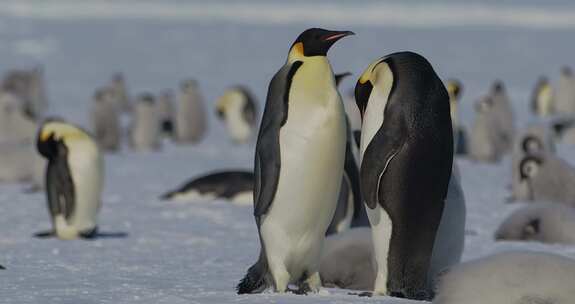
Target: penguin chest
point(238, 127)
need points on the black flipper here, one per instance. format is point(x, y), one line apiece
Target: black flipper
point(59, 185)
point(45, 234)
point(256, 279)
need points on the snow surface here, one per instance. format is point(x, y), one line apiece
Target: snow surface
point(173, 252)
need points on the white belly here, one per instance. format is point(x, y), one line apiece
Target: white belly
point(239, 129)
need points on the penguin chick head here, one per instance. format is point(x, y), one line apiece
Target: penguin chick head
point(531, 145)
point(523, 225)
point(484, 104)
point(454, 89)
point(55, 132)
point(315, 42)
point(529, 167)
point(498, 86)
point(378, 73)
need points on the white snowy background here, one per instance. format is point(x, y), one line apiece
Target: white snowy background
point(196, 253)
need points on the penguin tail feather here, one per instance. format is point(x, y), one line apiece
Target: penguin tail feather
point(255, 280)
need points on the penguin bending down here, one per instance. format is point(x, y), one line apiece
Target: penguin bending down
point(299, 165)
point(237, 186)
point(407, 159)
point(546, 178)
point(518, 277)
point(105, 120)
point(74, 178)
point(535, 140)
point(455, 90)
point(546, 223)
point(565, 97)
point(191, 116)
point(166, 112)
point(237, 108)
point(145, 129)
point(542, 98)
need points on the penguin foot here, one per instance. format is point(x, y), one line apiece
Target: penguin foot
point(368, 294)
point(45, 234)
point(89, 234)
point(301, 290)
point(2, 267)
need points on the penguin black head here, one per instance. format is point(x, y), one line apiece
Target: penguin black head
point(531, 145)
point(316, 41)
point(529, 166)
point(498, 86)
point(364, 86)
point(53, 135)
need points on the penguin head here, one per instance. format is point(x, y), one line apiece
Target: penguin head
point(146, 98)
point(233, 99)
point(54, 133)
point(524, 225)
point(118, 77)
point(188, 85)
point(454, 89)
point(497, 87)
point(377, 73)
point(314, 42)
point(531, 145)
point(484, 104)
point(529, 167)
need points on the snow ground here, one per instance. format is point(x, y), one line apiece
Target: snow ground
point(196, 253)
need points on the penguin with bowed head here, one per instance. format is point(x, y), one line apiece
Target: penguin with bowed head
point(238, 109)
point(145, 128)
point(406, 166)
point(74, 179)
point(303, 123)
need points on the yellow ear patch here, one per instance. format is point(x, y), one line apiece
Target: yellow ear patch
point(296, 52)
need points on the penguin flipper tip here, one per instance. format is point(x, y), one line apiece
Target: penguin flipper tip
point(254, 281)
point(2, 267)
point(45, 234)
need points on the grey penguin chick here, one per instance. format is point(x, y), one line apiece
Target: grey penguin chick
point(503, 112)
point(535, 140)
point(29, 86)
point(546, 223)
point(191, 118)
point(119, 92)
point(237, 108)
point(166, 112)
point(565, 94)
point(518, 277)
point(145, 128)
point(485, 143)
point(105, 120)
point(546, 178)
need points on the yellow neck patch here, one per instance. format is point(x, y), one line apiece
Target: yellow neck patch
point(296, 52)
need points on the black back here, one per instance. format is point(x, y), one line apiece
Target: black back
point(224, 184)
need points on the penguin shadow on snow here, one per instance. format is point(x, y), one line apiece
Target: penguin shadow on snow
point(90, 236)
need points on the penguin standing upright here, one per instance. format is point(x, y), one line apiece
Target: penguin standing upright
point(74, 178)
point(542, 98)
point(237, 107)
point(105, 120)
point(504, 115)
point(119, 91)
point(455, 89)
point(191, 121)
point(565, 97)
point(299, 164)
point(145, 128)
point(166, 112)
point(407, 158)
point(486, 142)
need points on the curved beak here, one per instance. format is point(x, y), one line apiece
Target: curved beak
point(336, 35)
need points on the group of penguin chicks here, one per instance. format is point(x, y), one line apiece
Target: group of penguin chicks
point(400, 187)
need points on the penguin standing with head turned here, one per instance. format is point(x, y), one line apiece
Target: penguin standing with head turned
point(145, 128)
point(542, 100)
point(191, 118)
point(406, 167)
point(299, 164)
point(74, 179)
point(105, 120)
point(237, 108)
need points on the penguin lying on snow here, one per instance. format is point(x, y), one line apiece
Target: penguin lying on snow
point(237, 108)
point(407, 140)
point(510, 277)
point(546, 178)
point(74, 179)
point(236, 186)
point(299, 164)
point(546, 223)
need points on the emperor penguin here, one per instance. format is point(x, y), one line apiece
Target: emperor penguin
point(238, 109)
point(74, 179)
point(406, 165)
point(535, 140)
point(105, 120)
point(546, 223)
point(546, 178)
point(486, 140)
point(299, 163)
point(191, 118)
point(565, 97)
point(166, 112)
point(119, 92)
point(145, 128)
point(503, 112)
point(455, 90)
point(518, 277)
point(542, 100)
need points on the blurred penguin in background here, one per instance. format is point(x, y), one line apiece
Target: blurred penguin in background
point(455, 90)
point(29, 87)
point(504, 114)
point(546, 178)
point(105, 120)
point(545, 223)
point(166, 112)
point(191, 123)
point(542, 98)
point(238, 109)
point(145, 128)
point(565, 94)
point(15, 124)
point(486, 142)
point(535, 140)
point(119, 92)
